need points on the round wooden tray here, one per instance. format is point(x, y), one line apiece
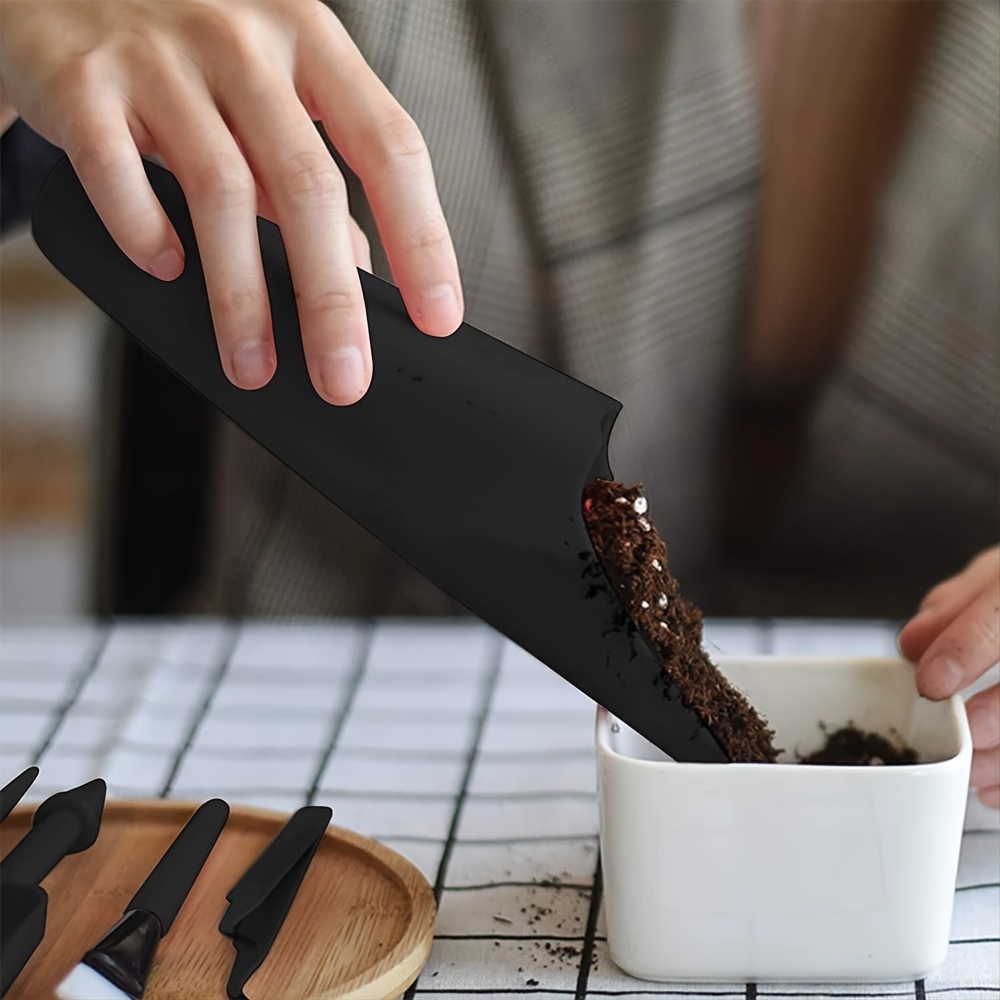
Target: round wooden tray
point(361, 925)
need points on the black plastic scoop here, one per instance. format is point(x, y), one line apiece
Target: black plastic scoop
point(65, 823)
point(466, 456)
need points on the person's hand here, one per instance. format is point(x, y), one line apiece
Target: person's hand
point(225, 92)
point(954, 639)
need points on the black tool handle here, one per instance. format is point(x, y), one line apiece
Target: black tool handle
point(22, 926)
point(41, 849)
point(168, 884)
point(14, 790)
point(65, 823)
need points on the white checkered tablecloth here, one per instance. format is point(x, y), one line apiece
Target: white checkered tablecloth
point(443, 741)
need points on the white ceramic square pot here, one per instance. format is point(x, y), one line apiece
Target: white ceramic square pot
point(787, 871)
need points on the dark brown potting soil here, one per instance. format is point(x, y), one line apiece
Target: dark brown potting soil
point(850, 745)
point(634, 558)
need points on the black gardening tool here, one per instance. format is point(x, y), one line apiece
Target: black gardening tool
point(14, 790)
point(467, 457)
point(124, 955)
point(65, 823)
point(260, 901)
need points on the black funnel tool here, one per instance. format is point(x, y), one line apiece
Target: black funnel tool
point(14, 790)
point(260, 901)
point(65, 823)
point(466, 457)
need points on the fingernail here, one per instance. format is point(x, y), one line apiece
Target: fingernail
point(167, 265)
point(943, 676)
point(343, 376)
point(439, 307)
point(252, 365)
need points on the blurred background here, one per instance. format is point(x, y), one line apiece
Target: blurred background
point(790, 284)
point(49, 337)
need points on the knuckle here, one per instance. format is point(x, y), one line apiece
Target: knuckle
point(429, 239)
point(224, 181)
point(220, 27)
point(238, 308)
point(399, 139)
point(77, 78)
point(312, 14)
point(321, 34)
point(312, 177)
point(330, 302)
point(231, 41)
point(94, 155)
point(986, 630)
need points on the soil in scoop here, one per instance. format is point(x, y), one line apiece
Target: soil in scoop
point(634, 558)
point(850, 745)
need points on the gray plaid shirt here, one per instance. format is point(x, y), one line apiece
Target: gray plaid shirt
point(599, 165)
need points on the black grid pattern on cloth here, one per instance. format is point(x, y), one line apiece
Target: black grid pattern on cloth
point(427, 737)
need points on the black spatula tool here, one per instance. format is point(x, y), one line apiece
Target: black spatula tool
point(466, 456)
point(65, 823)
point(260, 901)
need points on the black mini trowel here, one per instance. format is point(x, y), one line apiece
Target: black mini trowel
point(466, 456)
point(65, 823)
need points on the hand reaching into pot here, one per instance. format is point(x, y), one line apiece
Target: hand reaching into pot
point(954, 639)
point(226, 92)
